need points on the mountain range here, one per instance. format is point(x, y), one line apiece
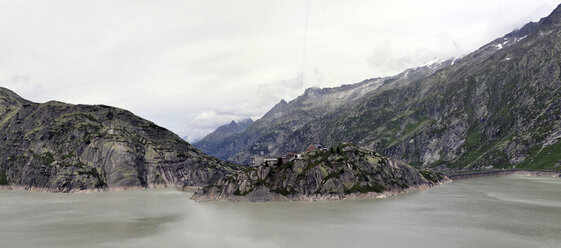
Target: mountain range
point(265, 135)
point(496, 107)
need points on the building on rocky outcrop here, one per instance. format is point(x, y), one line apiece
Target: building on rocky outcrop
point(315, 147)
point(259, 160)
point(289, 157)
point(256, 161)
point(272, 160)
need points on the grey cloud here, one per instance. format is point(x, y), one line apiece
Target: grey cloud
point(388, 58)
point(263, 97)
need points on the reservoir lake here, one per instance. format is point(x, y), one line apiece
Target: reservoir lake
point(506, 211)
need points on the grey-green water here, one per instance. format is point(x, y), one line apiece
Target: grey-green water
point(509, 211)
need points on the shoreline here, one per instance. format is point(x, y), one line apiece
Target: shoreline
point(476, 174)
point(370, 195)
point(313, 198)
point(374, 195)
point(538, 173)
point(110, 189)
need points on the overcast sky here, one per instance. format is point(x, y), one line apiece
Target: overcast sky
point(191, 66)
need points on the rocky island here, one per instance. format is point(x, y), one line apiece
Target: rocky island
point(345, 171)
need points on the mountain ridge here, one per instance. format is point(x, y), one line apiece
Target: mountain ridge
point(314, 103)
point(440, 119)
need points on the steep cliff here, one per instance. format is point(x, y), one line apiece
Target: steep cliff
point(346, 171)
point(62, 147)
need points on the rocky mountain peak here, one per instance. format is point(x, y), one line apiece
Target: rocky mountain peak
point(223, 132)
point(312, 91)
point(235, 127)
point(554, 17)
point(278, 108)
point(7, 95)
point(244, 121)
point(525, 30)
point(546, 22)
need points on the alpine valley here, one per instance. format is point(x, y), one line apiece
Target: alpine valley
point(498, 107)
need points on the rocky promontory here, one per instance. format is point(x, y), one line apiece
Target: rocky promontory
point(345, 171)
point(59, 147)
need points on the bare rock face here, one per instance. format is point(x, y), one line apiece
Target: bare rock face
point(61, 147)
point(340, 172)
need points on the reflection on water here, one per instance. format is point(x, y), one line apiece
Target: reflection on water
point(509, 211)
